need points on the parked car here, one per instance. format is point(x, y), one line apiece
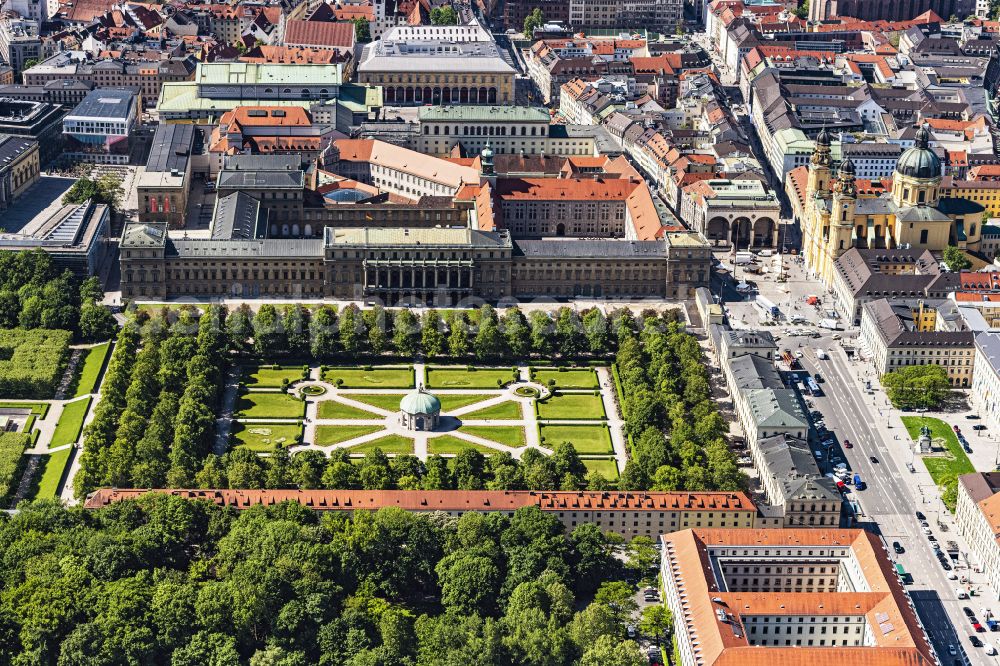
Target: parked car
point(956, 428)
point(968, 611)
point(975, 641)
point(972, 417)
point(873, 459)
point(920, 516)
point(979, 426)
point(847, 444)
point(898, 547)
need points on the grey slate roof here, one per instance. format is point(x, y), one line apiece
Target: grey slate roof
point(789, 460)
point(171, 148)
point(752, 372)
point(303, 248)
point(115, 103)
point(238, 216)
point(776, 408)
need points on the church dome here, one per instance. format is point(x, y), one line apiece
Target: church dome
point(823, 139)
point(420, 402)
point(920, 161)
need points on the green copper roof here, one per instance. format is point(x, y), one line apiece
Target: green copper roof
point(420, 402)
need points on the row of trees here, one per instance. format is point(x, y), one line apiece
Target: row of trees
point(677, 433)
point(35, 294)
point(167, 581)
point(155, 422)
point(469, 470)
point(479, 334)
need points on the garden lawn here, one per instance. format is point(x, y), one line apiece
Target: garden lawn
point(462, 377)
point(70, 423)
point(607, 467)
point(512, 436)
point(39, 409)
point(387, 401)
point(328, 435)
point(53, 468)
point(446, 444)
point(571, 406)
point(389, 444)
point(268, 377)
point(374, 378)
point(331, 409)
point(265, 436)
point(258, 405)
point(573, 378)
point(91, 369)
point(588, 439)
point(453, 401)
point(508, 410)
point(943, 469)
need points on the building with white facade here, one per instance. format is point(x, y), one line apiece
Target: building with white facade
point(98, 129)
point(977, 514)
point(985, 391)
point(432, 64)
point(660, 15)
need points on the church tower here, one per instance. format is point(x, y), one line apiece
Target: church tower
point(816, 200)
point(845, 198)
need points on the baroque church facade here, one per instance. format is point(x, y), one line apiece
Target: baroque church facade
point(912, 215)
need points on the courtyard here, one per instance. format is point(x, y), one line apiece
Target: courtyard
point(485, 409)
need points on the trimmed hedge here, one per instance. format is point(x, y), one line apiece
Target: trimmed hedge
point(12, 446)
point(32, 362)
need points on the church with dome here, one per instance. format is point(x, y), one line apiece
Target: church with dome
point(913, 214)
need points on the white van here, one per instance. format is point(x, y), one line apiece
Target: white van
point(821, 354)
point(765, 253)
point(960, 593)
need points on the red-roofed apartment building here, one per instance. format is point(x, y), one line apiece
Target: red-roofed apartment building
point(629, 514)
point(266, 130)
point(788, 597)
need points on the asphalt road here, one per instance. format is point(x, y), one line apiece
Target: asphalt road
point(889, 502)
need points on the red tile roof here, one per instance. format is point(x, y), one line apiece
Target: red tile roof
point(319, 34)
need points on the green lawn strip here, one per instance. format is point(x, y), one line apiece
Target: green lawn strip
point(453, 401)
point(272, 377)
point(944, 470)
point(374, 378)
point(327, 435)
point(265, 436)
point(331, 409)
point(53, 467)
point(573, 378)
point(447, 444)
point(276, 405)
point(508, 410)
point(606, 466)
point(588, 439)
point(571, 406)
point(40, 409)
point(70, 423)
point(388, 444)
point(512, 436)
point(387, 401)
point(91, 369)
point(462, 377)
point(29, 423)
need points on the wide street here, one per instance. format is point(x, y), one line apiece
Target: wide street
point(892, 496)
point(893, 493)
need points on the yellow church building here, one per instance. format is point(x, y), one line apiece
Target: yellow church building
point(912, 215)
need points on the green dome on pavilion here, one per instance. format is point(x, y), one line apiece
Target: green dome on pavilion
point(420, 402)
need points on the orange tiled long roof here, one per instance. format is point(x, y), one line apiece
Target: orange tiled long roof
point(901, 641)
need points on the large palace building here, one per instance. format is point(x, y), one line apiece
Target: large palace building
point(381, 222)
point(913, 215)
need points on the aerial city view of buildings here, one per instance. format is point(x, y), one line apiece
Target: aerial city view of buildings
point(505, 332)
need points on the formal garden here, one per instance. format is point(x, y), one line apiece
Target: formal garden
point(948, 460)
point(311, 397)
point(483, 410)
